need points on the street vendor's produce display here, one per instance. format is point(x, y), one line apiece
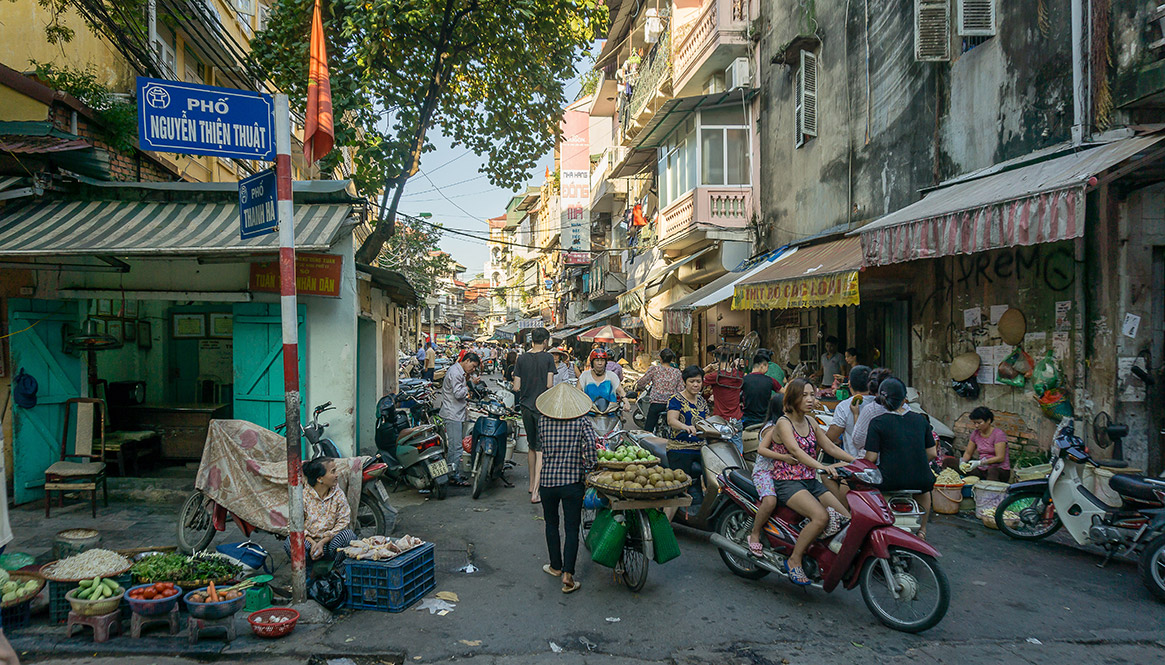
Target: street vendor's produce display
point(212, 603)
point(212, 595)
point(948, 477)
point(95, 597)
point(186, 571)
point(98, 588)
point(17, 590)
point(86, 566)
point(381, 548)
point(159, 590)
point(625, 455)
point(640, 480)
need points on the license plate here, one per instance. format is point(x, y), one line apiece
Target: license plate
point(438, 468)
point(381, 492)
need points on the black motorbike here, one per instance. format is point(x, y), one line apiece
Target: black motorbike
point(487, 454)
point(414, 455)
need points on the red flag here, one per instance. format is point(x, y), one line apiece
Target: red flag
point(319, 134)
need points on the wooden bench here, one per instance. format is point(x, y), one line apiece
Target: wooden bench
point(1021, 439)
point(127, 447)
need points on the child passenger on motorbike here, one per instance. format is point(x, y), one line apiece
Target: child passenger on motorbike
point(762, 472)
point(796, 485)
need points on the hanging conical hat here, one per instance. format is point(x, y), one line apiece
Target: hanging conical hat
point(1012, 327)
point(563, 402)
point(965, 366)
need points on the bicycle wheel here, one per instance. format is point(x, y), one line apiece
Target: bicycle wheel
point(632, 568)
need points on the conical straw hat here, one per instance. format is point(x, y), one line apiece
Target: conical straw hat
point(563, 402)
point(1012, 326)
point(965, 366)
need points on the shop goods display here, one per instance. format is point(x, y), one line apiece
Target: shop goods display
point(380, 548)
point(624, 456)
point(187, 571)
point(273, 621)
point(393, 585)
point(95, 597)
point(86, 566)
point(18, 589)
point(641, 480)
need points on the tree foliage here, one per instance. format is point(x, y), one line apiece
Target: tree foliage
point(410, 251)
point(489, 74)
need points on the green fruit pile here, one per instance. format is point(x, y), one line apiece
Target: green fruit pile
point(636, 477)
point(15, 590)
point(628, 454)
point(97, 588)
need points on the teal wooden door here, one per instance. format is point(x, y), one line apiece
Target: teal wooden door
point(258, 363)
point(38, 350)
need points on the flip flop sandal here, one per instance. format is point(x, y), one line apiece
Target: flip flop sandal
point(572, 588)
point(550, 571)
point(796, 575)
point(755, 548)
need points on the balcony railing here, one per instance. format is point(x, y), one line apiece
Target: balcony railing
point(720, 22)
point(654, 73)
point(723, 207)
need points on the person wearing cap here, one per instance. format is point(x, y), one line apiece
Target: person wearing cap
point(564, 371)
point(665, 381)
point(599, 381)
point(901, 443)
point(568, 452)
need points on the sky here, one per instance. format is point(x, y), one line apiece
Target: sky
point(451, 186)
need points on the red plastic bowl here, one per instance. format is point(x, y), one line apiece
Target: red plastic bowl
point(262, 625)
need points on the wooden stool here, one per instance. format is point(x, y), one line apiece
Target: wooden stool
point(197, 626)
point(102, 624)
point(137, 621)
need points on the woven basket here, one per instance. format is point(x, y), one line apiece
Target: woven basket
point(44, 571)
point(619, 466)
point(632, 493)
point(19, 576)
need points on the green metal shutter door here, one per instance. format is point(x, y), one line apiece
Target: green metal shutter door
point(258, 363)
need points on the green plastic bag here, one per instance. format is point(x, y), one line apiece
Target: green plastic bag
point(606, 537)
point(666, 546)
point(1045, 376)
point(1015, 369)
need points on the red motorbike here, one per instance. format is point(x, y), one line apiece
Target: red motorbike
point(901, 581)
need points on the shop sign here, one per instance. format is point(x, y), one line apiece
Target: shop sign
point(824, 291)
point(257, 205)
point(195, 119)
point(529, 323)
point(576, 258)
point(315, 275)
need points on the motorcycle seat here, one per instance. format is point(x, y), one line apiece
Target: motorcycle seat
point(1136, 487)
point(743, 483)
point(414, 433)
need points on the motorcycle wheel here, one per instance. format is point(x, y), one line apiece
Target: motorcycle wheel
point(371, 517)
point(735, 525)
point(1152, 567)
point(440, 490)
point(918, 576)
point(195, 527)
point(1032, 524)
point(481, 473)
point(632, 566)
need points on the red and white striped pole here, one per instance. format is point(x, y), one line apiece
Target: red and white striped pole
point(290, 319)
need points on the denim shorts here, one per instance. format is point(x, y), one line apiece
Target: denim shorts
point(785, 489)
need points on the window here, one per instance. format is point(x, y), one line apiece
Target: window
point(932, 30)
point(245, 7)
point(167, 57)
point(976, 18)
point(805, 98)
point(194, 69)
point(713, 149)
point(264, 16)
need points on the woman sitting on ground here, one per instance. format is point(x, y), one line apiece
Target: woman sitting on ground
point(901, 443)
point(796, 485)
point(327, 524)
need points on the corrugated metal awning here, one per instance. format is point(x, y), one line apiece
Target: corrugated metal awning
point(675, 111)
point(634, 298)
point(147, 228)
point(1037, 203)
point(816, 276)
point(587, 323)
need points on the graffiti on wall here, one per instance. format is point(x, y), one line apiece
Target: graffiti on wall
point(1050, 267)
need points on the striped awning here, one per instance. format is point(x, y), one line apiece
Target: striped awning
point(1037, 203)
point(149, 228)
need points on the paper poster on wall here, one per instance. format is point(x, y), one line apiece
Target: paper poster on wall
point(215, 358)
point(986, 373)
point(972, 318)
point(1129, 387)
point(1063, 308)
point(1060, 345)
point(1131, 325)
point(1035, 343)
point(997, 312)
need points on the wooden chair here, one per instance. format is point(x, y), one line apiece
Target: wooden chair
point(68, 476)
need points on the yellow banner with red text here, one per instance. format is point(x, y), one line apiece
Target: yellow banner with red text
point(836, 289)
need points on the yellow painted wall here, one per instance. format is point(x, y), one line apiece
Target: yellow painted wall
point(16, 106)
point(22, 23)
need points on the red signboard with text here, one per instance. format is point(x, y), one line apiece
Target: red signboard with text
point(315, 275)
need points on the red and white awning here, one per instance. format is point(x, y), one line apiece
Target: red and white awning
point(1037, 203)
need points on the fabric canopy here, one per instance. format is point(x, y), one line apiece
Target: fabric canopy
point(635, 298)
point(588, 322)
point(1037, 203)
point(677, 317)
point(816, 276)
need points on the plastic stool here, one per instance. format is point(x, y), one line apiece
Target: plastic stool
point(137, 621)
point(197, 626)
point(102, 624)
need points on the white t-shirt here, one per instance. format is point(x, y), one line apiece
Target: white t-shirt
point(843, 417)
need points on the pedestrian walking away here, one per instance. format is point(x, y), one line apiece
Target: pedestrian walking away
point(533, 375)
point(454, 411)
point(665, 381)
point(568, 452)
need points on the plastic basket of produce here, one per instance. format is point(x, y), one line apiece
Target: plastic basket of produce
point(666, 547)
point(155, 599)
point(606, 537)
point(273, 621)
point(65, 575)
point(188, 572)
point(392, 585)
point(625, 456)
point(641, 482)
point(100, 596)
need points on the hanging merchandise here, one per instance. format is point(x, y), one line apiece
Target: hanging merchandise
point(965, 366)
point(637, 218)
point(1015, 369)
point(967, 388)
point(1045, 376)
point(24, 389)
point(1012, 327)
point(1055, 403)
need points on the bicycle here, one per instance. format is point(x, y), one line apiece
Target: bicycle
point(639, 546)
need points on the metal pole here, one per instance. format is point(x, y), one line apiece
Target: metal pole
point(290, 320)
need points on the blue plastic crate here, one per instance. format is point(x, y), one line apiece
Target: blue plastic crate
point(393, 585)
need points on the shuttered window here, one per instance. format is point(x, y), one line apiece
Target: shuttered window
point(976, 18)
point(805, 98)
point(932, 30)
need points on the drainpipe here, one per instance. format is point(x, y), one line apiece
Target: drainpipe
point(1079, 112)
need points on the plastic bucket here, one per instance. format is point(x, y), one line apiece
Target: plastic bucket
point(946, 498)
point(1033, 472)
point(988, 494)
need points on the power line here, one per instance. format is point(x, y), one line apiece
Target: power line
point(452, 184)
point(455, 204)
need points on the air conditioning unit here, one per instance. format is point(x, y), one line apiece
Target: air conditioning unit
point(737, 75)
point(652, 26)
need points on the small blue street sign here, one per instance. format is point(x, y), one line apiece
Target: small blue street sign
point(205, 120)
point(257, 214)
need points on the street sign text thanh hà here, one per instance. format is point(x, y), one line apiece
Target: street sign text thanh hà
point(197, 119)
point(257, 205)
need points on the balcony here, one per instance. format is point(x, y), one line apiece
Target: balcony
point(709, 44)
point(706, 212)
point(602, 186)
point(649, 90)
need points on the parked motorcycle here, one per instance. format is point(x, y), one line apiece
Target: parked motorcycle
point(899, 574)
point(1036, 509)
point(414, 455)
point(490, 447)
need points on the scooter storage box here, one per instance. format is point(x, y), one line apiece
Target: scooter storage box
point(666, 546)
point(393, 585)
point(605, 539)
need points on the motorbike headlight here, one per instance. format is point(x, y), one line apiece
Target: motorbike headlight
point(869, 476)
point(495, 409)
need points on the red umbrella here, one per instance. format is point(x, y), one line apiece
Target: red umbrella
point(612, 334)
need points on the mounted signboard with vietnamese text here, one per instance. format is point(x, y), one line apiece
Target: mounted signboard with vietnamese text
point(257, 205)
point(827, 290)
point(315, 275)
point(194, 119)
point(575, 183)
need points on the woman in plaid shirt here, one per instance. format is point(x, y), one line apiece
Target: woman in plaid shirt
point(568, 452)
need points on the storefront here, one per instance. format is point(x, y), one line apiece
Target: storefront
point(146, 297)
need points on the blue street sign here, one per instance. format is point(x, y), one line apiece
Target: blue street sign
point(257, 214)
point(204, 120)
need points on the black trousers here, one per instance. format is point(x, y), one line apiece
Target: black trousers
point(562, 553)
point(654, 413)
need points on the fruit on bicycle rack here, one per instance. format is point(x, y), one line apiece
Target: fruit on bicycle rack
point(628, 454)
point(637, 476)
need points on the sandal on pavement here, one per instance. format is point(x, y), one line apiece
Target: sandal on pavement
point(458, 482)
point(550, 571)
point(571, 588)
point(797, 575)
point(755, 548)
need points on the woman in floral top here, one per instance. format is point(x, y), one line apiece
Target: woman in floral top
point(665, 381)
point(684, 410)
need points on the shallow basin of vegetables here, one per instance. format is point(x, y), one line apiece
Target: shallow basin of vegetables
point(199, 604)
point(153, 599)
